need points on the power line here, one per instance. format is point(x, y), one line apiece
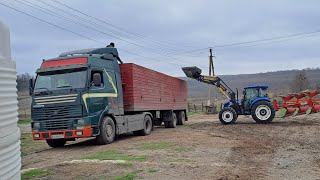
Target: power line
point(266, 39)
point(94, 29)
point(47, 11)
point(102, 32)
point(70, 31)
point(122, 35)
point(117, 27)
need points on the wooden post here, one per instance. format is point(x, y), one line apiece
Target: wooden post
point(195, 108)
point(202, 107)
point(188, 107)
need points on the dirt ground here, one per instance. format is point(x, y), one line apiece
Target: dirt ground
point(202, 149)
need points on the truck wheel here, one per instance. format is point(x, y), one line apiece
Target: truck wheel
point(107, 132)
point(262, 112)
point(173, 123)
point(228, 115)
point(56, 142)
point(181, 118)
point(147, 127)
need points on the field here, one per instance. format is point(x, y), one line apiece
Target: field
point(202, 149)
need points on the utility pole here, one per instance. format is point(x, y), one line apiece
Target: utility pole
point(211, 70)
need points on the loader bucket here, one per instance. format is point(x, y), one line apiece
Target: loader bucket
point(192, 72)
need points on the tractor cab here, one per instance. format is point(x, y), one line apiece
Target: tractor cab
point(253, 93)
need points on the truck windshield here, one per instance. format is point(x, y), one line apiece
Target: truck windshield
point(57, 81)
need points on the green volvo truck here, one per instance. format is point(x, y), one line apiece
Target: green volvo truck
point(92, 93)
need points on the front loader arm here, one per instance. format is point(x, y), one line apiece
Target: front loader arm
point(195, 73)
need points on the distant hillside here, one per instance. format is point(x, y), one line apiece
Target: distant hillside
point(279, 82)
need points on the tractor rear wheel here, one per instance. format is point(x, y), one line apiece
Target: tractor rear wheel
point(262, 112)
point(228, 115)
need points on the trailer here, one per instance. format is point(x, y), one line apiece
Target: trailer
point(92, 93)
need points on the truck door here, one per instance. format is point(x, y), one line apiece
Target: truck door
point(97, 102)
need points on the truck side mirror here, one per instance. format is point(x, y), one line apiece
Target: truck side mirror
point(97, 79)
point(31, 86)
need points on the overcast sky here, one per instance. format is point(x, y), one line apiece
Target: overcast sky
point(166, 28)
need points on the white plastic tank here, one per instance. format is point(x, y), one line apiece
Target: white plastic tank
point(10, 159)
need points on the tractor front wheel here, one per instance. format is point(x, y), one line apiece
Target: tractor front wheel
point(228, 115)
point(262, 112)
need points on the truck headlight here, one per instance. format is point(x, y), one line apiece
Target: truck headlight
point(80, 122)
point(36, 125)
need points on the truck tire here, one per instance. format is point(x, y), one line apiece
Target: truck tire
point(181, 118)
point(228, 115)
point(56, 142)
point(107, 132)
point(262, 112)
point(173, 123)
point(147, 127)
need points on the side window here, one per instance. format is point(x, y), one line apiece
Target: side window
point(95, 77)
point(110, 82)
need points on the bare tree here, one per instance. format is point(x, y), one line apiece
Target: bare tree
point(23, 82)
point(300, 82)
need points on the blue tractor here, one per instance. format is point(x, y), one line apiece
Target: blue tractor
point(255, 100)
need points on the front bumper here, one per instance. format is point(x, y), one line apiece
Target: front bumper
point(63, 134)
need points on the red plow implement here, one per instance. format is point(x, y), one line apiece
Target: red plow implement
point(295, 104)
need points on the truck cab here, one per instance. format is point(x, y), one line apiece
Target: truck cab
point(80, 94)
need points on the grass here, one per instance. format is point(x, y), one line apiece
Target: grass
point(192, 113)
point(24, 121)
point(151, 170)
point(125, 164)
point(26, 139)
point(128, 176)
point(155, 146)
point(26, 143)
point(34, 173)
point(23, 154)
point(115, 155)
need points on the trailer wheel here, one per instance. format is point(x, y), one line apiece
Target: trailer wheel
point(107, 132)
point(147, 127)
point(181, 118)
point(262, 112)
point(56, 142)
point(228, 115)
point(173, 123)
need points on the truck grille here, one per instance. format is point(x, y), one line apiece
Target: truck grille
point(57, 124)
point(60, 112)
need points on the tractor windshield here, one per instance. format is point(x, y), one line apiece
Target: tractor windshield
point(58, 81)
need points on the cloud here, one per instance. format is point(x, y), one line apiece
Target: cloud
point(186, 24)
